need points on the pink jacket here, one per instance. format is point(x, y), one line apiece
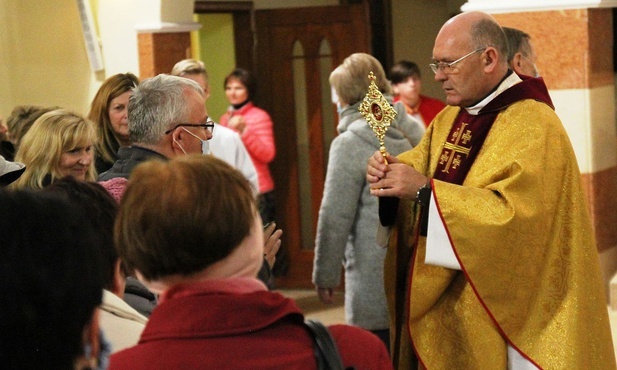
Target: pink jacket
point(258, 138)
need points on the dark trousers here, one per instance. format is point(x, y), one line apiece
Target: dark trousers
point(266, 206)
point(384, 335)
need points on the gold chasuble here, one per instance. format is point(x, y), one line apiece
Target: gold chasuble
point(519, 226)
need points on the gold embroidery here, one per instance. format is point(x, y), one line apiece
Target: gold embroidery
point(453, 158)
point(377, 112)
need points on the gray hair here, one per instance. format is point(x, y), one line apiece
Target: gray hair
point(156, 105)
point(518, 41)
point(487, 32)
point(350, 79)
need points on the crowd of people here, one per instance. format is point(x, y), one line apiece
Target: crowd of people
point(142, 235)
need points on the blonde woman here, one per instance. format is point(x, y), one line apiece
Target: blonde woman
point(58, 144)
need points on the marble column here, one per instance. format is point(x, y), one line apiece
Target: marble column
point(574, 44)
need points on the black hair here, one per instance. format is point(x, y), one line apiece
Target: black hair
point(402, 70)
point(51, 281)
point(245, 78)
point(100, 210)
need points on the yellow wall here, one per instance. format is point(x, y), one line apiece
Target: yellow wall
point(216, 50)
point(43, 57)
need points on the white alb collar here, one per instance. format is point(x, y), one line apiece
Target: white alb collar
point(510, 81)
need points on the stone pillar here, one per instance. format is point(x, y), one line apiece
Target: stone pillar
point(159, 49)
point(164, 35)
point(573, 41)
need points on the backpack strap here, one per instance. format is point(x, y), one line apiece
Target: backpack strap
point(326, 352)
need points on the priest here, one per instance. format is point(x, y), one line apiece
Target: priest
point(491, 260)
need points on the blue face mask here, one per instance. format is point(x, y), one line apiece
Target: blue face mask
point(205, 144)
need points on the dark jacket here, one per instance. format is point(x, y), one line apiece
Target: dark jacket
point(139, 297)
point(128, 159)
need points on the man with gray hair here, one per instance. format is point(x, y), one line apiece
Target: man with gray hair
point(227, 144)
point(167, 117)
point(521, 56)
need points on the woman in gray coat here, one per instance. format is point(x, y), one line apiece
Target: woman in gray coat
point(348, 216)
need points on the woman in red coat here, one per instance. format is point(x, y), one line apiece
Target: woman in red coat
point(200, 248)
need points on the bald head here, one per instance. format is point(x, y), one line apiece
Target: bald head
point(476, 30)
point(479, 38)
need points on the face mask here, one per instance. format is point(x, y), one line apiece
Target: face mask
point(339, 109)
point(205, 145)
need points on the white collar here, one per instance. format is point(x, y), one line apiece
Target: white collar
point(510, 81)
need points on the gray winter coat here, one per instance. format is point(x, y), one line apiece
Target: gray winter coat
point(348, 217)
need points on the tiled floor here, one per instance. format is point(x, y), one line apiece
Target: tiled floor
point(334, 314)
point(313, 308)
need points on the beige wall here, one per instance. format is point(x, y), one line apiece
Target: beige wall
point(44, 60)
point(43, 55)
point(415, 25)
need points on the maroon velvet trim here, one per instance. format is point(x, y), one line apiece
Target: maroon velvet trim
point(458, 154)
point(531, 88)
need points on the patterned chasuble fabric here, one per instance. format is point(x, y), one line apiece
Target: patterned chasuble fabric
point(521, 230)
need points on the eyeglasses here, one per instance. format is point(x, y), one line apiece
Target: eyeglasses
point(208, 126)
point(448, 67)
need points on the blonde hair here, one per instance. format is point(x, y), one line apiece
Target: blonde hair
point(350, 79)
point(192, 67)
point(189, 67)
point(51, 135)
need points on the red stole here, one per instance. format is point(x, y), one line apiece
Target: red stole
point(462, 146)
point(468, 131)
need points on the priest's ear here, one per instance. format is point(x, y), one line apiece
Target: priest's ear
point(490, 59)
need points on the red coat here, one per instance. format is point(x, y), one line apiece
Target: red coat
point(258, 138)
point(428, 108)
point(238, 324)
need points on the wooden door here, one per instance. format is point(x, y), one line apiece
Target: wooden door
point(296, 49)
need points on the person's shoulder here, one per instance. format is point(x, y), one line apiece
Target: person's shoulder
point(534, 115)
point(224, 131)
point(360, 348)
point(115, 186)
point(343, 333)
point(256, 111)
point(432, 101)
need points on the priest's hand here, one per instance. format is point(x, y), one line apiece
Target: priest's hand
point(394, 179)
point(377, 167)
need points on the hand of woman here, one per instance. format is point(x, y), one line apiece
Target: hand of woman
point(272, 243)
point(237, 123)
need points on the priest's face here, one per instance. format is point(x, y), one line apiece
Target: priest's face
point(460, 66)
